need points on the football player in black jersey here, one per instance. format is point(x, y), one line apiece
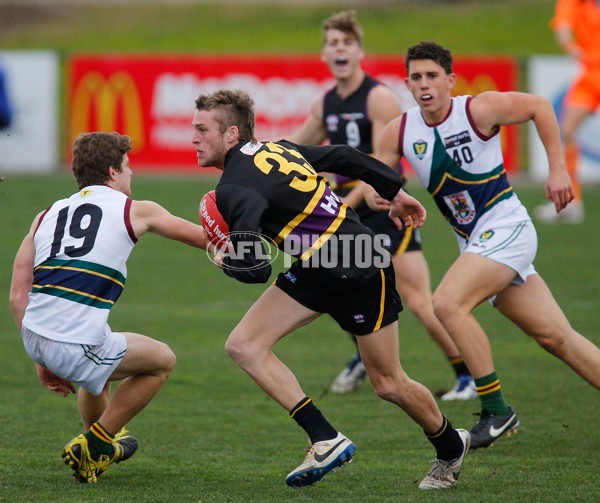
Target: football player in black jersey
point(354, 113)
point(272, 191)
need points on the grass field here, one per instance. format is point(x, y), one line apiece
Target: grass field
point(517, 27)
point(211, 435)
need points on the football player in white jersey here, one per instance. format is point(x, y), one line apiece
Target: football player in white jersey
point(69, 271)
point(453, 144)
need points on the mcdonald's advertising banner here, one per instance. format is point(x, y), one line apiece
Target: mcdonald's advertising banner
point(151, 98)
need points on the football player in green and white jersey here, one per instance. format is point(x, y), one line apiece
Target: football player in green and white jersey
point(454, 146)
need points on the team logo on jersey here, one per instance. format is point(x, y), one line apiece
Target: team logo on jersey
point(352, 117)
point(85, 193)
point(420, 148)
point(251, 148)
point(332, 122)
point(290, 276)
point(457, 139)
point(462, 207)
point(486, 235)
point(359, 318)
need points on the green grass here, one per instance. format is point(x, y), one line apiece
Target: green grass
point(514, 27)
point(211, 435)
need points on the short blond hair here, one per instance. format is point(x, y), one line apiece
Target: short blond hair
point(344, 21)
point(233, 108)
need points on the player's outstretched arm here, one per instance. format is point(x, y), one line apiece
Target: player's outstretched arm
point(148, 216)
point(311, 131)
point(492, 109)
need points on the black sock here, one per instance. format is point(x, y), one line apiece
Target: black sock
point(459, 366)
point(447, 442)
point(312, 421)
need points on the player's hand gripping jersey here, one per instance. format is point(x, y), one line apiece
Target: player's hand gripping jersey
point(274, 189)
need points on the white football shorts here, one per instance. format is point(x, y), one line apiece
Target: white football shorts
point(87, 366)
point(507, 235)
point(514, 245)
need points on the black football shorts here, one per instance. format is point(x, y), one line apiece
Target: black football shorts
point(359, 307)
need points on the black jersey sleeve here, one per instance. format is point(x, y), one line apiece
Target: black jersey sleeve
point(242, 209)
point(350, 162)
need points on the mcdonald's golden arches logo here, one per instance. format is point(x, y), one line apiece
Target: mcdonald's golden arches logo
point(107, 97)
point(477, 85)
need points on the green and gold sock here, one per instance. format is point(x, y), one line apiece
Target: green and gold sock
point(99, 441)
point(490, 393)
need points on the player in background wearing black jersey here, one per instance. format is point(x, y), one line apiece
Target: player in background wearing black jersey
point(354, 113)
point(273, 188)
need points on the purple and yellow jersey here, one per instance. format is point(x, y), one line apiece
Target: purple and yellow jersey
point(311, 229)
point(273, 189)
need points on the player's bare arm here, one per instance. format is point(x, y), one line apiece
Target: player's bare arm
point(493, 109)
point(408, 209)
point(490, 110)
point(148, 216)
point(355, 196)
point(22, 279)
point(312, 131)
point(20, 287)
point(382, 107)
point(387, 152)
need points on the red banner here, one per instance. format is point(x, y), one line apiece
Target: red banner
point(151, 98)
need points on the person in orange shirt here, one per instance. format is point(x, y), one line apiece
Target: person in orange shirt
point(576, 24)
